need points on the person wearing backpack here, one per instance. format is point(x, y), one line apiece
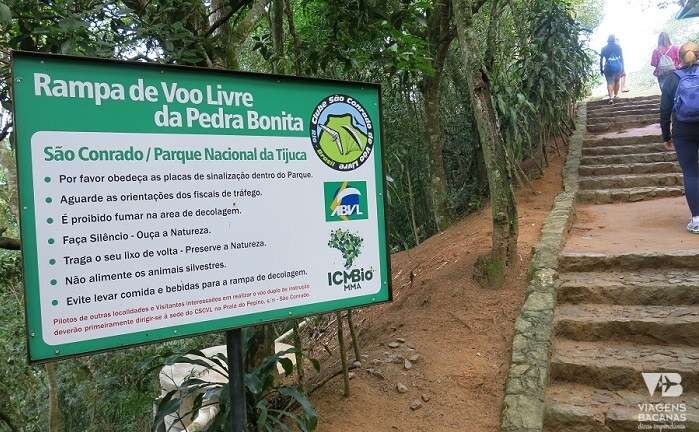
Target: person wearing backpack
point(665, 58)
point(679, 109)
point(611, 65)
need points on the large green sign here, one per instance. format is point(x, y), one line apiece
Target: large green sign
point(160, 202)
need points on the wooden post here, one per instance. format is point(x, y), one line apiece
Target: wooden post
point(343, 355)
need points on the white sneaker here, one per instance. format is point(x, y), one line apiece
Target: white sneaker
point(693, 227)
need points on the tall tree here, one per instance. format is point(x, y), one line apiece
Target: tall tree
point(439, 35)
point(502, 199)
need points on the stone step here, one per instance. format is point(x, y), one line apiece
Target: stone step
point(642, 287)
point(579, 408)
point(658, 325)
point(606, 141)
point(622, 108)
point(633, 168)
point(607, 196)
point(622, 119)
point(621, 125)
point(589, 261)
point(626, 149)
point(619, 366)
point(630, 181)
point(626, 159)
point(622, 105)
point(602, 103)
point(616, 112)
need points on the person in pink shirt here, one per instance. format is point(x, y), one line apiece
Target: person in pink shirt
point(665, 59)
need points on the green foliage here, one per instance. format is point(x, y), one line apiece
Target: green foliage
point(23, 399)
point(588, 13)
point(537, 87)
point(272, 406)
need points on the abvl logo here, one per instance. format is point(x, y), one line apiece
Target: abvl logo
point(345, 201)
point(669, 383)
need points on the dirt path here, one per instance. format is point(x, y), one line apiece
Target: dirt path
point(461, 333)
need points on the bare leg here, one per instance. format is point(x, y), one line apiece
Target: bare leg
point(616, 87)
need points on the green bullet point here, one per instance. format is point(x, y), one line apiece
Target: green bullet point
point(47, 179)
point(54, 302)
point(48, 200)
point(52, 261)
point(49, 220)
point(51, 241)
point(54, 281)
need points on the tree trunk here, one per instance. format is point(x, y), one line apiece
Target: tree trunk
point(457, 76)
point(54, 409)
point(491, 38)
point(298, 345)
point(277, 16)
point(353, 333)
point(288, 9)
point(433, 136)
point(343, 354)
point(261, 345)
point(411, 204)
point(503, 205)
point(243, 29)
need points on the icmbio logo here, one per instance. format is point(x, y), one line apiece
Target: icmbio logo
point(345, 201)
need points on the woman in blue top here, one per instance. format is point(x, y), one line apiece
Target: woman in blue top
point(611, 65)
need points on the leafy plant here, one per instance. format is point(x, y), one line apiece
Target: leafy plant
point(272, 406)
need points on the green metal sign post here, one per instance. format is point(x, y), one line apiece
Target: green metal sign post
point(236, 370)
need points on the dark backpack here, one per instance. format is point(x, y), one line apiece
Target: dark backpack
point(686, 107)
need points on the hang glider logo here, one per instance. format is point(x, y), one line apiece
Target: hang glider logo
point(342, 132)
point(668, 383)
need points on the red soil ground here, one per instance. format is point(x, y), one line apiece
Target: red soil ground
point(462, 332)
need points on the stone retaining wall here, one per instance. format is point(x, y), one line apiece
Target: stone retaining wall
point(523, 404)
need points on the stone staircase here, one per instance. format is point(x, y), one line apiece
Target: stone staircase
point(609, 327)
point(626, 113)
point(620, 315)
point(626, 168)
